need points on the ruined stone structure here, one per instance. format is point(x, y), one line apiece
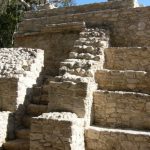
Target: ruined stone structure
point(91, 91)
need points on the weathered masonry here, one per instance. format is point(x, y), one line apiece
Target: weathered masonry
point(89, 86)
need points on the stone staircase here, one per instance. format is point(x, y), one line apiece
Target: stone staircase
point(75, 73)
point(113, 80)
point(35, 107)
point(72, 90)
point(121, 104)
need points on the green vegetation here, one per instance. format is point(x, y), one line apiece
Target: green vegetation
point(8, 20)
point(11, 14)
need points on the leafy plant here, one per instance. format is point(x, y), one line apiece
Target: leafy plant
point(11, 14)
point(8, 21)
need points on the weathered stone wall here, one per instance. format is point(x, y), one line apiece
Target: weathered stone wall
point(127, 27)
point(7, 127)
point(56, 48)
point(116, 80)
point(73, 89)
point(127, 58)
point(67, 96)
point(19, 70)
point(8, 94)
point(63, 131)
point(121, 110)
point(109, 139)
point(80, 9)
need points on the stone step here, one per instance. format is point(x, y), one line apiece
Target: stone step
point(113, 139)
point(73, 78)
point(36, 110)
point(26, 121)
point(88, 49)
point(40, 95)
point(71, 10)
point(86, 56)
point(45, 26)
point(18, 144)
point(89, 41)
point(79, 67)
point(36, 90)
point(23, 134)
point(129, 80)
point(68, 97)
point(94, 33)
point(43, 99)
point(127, 58)
point(119, 109)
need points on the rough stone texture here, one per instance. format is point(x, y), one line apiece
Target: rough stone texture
point(7, 126)
point(63, 131)
point(8, 94)
point(116, 80)
point(19, 70)
point(74, 50)
point(109, 139)
point(80, 9)
point(121, 110)
point(127, 27)
point(73, 89)
point(127, 58)
point(67, 96)
point(55, 47)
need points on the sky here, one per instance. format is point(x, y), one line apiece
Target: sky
point(80, 2)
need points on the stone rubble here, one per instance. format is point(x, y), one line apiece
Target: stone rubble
point(15, 61)
point(94, 97)
point(19, 70)
point(80, 70)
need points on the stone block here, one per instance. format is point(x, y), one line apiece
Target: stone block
point(19, 70)
point(129, 80)
point(109, 139)
point(121, 109)
point(58, 131)
point(127, 58)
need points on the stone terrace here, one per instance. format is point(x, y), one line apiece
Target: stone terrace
point(94, 93)
point(19, 70)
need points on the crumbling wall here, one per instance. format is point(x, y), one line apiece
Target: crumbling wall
point(120, 109)
point(123, 80)
point(128, 27)
point(109, 139)
point(19, 70)
point(131, 58)
point(56, 49)
point(63, 131)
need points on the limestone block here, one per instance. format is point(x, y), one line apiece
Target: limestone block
point(127, 58)
point(109, 139)
point(57, 131)
point(121, 109)
point(135, 81)
point(123, 23)
point(19, 70)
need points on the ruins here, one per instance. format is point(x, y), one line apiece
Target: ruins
point(78, 78)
